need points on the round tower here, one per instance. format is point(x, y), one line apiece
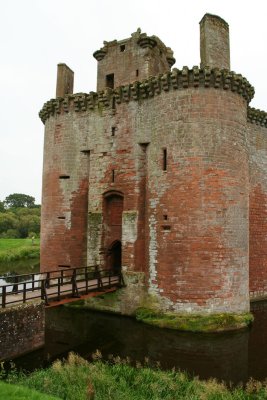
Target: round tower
point(198, 184)
point(65, 185)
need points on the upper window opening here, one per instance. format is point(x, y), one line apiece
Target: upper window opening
point(110, 81)
point(113, 129)
point(164, 164)
point(137, 72)
point(122, 48)
point(64, 177)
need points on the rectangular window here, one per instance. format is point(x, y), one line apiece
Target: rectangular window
point(164, 164)
point(64, 177)
point(137, 72)
point(110, 81)
point(122, 48)
point(113, 175)
point(113, 129)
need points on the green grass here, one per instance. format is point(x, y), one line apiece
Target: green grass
point(77, 379)
point(193, 322)
point(14, 392)
point(17, 249)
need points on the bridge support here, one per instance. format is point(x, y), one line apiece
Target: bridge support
point(22, 329)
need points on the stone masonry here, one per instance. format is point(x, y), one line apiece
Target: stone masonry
point(160, 173)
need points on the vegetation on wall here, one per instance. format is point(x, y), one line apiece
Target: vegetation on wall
point(19, 217)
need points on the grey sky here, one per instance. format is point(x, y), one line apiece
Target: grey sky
point(36, 35)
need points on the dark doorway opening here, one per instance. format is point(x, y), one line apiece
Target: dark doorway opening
point(114, 255)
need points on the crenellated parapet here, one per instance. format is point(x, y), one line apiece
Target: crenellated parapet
point(153, 86)
point(257, 117)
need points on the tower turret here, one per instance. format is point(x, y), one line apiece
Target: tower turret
point(133, 59)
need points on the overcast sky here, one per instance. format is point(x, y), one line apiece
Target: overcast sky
point(38, 34)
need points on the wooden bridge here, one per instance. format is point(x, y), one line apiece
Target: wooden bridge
point(58, 286)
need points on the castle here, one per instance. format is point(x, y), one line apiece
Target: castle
point(161, 173)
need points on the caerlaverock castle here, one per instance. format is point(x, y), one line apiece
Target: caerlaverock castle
point(161, 173)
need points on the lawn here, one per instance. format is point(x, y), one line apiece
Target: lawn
point(17, 249)
point(14, 392)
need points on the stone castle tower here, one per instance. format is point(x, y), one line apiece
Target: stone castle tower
point(161, 173)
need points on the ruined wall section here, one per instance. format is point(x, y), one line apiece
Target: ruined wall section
point(258, 203)
point(65, 190)
point(22, 329)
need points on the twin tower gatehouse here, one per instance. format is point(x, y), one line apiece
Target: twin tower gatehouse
point(161, 173)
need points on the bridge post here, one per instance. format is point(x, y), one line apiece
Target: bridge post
point(3, 297)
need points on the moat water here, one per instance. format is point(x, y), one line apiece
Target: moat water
point(231, 357)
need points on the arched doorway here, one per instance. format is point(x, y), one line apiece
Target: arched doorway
point(112, 232)
point(114, 256)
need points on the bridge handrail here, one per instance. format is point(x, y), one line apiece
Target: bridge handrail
point(89, 269)
point(57, 279)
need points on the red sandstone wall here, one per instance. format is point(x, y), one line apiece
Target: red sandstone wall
point(198, 257)
point(64, 202)
point(121, 153)
point(258, 211)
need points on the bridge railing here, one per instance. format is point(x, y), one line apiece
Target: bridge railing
point(57, 285)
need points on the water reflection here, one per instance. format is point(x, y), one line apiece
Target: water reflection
point(20, 267)
point(10, 270)
point(222, 356)
point(230, 357)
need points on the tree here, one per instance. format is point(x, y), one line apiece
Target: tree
point(19, 200)
point(7, 221)
point(2, 206)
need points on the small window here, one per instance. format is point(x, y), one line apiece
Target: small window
point(166, 227)
point(137, 72)
point(113, 129)
point(165, 217)
point(113, 175)
point(60, 217)
point(64, 177)
point(122, 48)
point(110, 81)
point(63, 266)
point(164, 164)
point(113, 103)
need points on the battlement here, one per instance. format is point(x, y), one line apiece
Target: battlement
point(257, 117)
point(154, 86)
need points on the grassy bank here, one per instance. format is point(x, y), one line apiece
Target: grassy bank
point(77, 379)
point(195, 322)
point(17, 249)
point(14, 392)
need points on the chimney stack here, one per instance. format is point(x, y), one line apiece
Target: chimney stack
point(65, 78)
point(214, 42)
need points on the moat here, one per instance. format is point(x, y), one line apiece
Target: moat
point(231, 357)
